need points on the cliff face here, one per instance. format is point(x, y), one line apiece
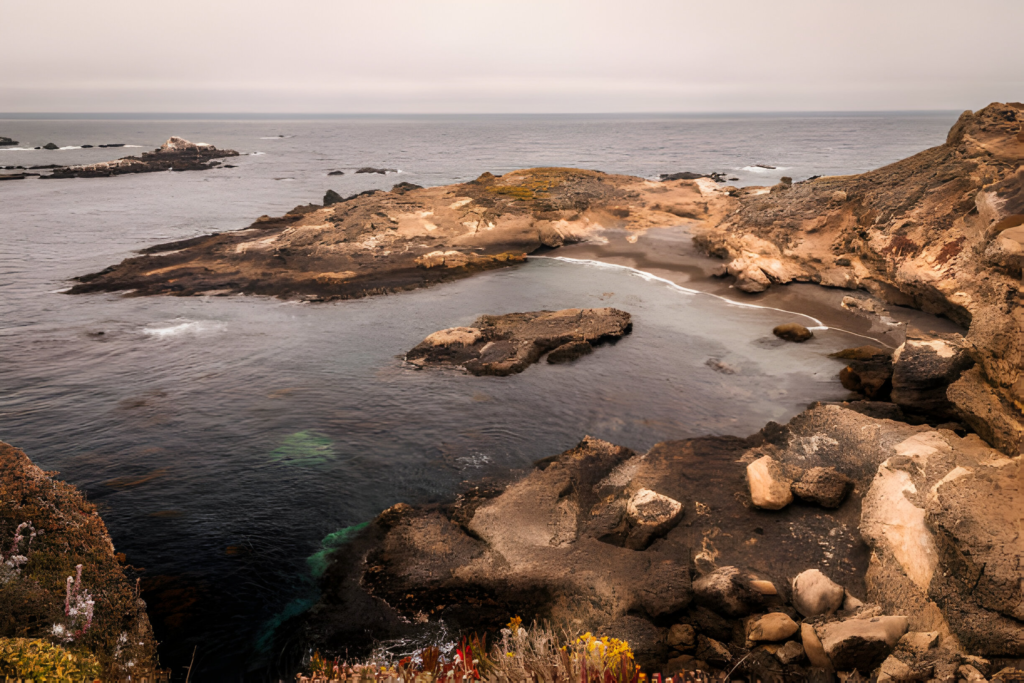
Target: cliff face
point(941, 231)
point(48, 530)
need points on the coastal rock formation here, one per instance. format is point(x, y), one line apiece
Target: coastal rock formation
point(507, 344)
point(48, 530)
point(927, 542)
point(7, 142)
point(176, 154)
point(869, 372)
point(940, 231)
point(377, 242)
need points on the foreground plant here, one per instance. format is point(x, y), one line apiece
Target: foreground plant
point(536, 654)
point(42, 662)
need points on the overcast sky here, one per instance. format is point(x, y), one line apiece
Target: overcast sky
point(442, 56)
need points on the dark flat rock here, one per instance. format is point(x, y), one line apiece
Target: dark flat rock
point(507, 344)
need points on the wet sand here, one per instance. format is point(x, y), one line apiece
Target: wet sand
point(669, 253)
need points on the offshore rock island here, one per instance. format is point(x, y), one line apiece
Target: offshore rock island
point(880, 534)
point(177, 154)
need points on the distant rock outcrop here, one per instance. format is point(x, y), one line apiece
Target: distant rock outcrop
point(7, 142)
point(177, 154)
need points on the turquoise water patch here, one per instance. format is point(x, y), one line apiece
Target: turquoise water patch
point(304, 448)
point(317, 562)
point(292, 609)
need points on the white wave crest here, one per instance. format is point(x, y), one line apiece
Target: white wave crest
point(17, 149)
point(257, 154)
point(651, 277)
point(70, 147)
point(762, 169)
point(187, 327)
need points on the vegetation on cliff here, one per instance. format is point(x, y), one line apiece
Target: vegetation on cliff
point(60, 579)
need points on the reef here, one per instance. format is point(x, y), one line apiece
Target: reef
point(60, 577)
point(176, 154)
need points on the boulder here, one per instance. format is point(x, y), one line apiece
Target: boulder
point(770, 488)
point(975, 514)
point(861, 644)
point(824, 486)
point(894, 669)
point(713, 652)
point(681, 637)
point(771, 628)
point(650, 515)
point(732, 592)
point(336, 173)
point(793, 332)
point(790, 653)
point(813, 648)
point(869, 371)
point(923, 368)
point(332, 197)
point(507, 344)
point(815, 594)
point(919, 642)
point(50, 146)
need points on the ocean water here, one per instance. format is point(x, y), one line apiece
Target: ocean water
point(226, 438)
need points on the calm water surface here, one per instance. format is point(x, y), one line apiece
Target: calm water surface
point(224, 438)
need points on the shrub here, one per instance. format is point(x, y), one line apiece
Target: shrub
point(42, 662)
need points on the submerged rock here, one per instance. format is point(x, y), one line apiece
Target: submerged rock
point(508, 344)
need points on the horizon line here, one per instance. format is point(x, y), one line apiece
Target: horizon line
point(199, 115)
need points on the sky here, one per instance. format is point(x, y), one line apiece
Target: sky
point(508, 56)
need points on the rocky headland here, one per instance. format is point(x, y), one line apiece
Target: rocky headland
point(60, 577)
point(377, 242)
point(506, 344)
point(176, 154)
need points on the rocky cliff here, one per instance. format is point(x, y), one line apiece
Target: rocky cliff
point(60, 578)
point(942, 231)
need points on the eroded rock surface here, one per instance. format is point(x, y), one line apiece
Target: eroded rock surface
point(940, 231)
point(177, 154)
point(378, 242)
point(507, 344)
